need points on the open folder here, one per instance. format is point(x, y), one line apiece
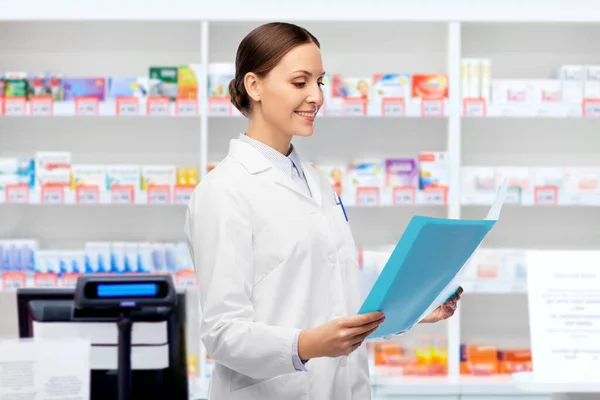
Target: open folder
point(425, 268)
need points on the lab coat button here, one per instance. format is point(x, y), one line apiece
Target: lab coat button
point(343, 361)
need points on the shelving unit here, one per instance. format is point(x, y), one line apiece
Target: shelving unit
point(522, 41)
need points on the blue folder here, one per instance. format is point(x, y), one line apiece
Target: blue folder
point(424, 269)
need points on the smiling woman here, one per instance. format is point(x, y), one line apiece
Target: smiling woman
point(273, 252)
point(277, 85)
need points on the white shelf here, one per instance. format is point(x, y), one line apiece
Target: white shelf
point(527, 383)
point(232, 10)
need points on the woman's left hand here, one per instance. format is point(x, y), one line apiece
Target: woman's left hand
point(444, 311)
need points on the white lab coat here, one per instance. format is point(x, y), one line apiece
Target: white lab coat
point(271, 261)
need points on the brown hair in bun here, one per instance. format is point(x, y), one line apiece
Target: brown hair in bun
point(259, 52)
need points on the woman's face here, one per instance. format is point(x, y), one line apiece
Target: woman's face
point(290, 95)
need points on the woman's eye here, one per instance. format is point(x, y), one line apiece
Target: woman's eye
point(299, 84)
point(321, 83)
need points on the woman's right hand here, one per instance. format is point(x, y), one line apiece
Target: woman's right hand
point(339, 337)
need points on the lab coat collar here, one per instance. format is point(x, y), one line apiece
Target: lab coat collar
point(256, 163)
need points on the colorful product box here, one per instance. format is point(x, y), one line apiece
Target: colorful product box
point(88, 175)
point(187, 176)
point(401, 172)
point(84, 87)
point(434, 170)
point(429, 86)
point(158, 175)
point(391, 86)
point(168, 77)
point(16, 84)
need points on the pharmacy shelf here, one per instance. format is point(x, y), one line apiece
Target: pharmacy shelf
point(164, 195)
point(501, 385)
point(527, 382)
point(218, 108)
point(480, 109)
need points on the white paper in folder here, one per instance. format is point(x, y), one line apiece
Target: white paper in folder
point(45, 369)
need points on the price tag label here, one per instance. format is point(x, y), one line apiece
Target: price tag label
point(219, 106)
point(432, 108)
point(474, 108)
point(591, 108)
point(158, 106)
point(121, 195)
point(393, 107)
point(128, 106)
point(17, 194)
point(53, 195)
point(86, 106)
point(69, 280)
point(404, 195)
point(46, 280)
point(42, 106)
point(367, 197)
point(88, 195)
point(355, 107)
point(159, 195)
point(14, 106)
point(434, 196)
point(543, 111)
point(187, 107)
point(513, 195)
point(13, 280)
point(186, 280)
point(183, 194)
point(546, 195)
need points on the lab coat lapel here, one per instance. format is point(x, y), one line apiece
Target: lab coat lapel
point(313, 182)
point(256, 163)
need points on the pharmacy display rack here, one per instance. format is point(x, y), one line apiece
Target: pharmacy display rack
point(510, 124)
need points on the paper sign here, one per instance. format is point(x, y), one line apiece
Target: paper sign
point(219, 106)
point(183, 194)
point(367, 196)
point(53, 195)
point(435, 196)
point(404, 195)
point(17, 194)
point(393, 107)
point(13, 280)
point(158, 106)
point(513, 195)
point(591, 108)
point(14, 106)
point(546, 195)
point(185, 279)
point(51, 369)
point(87, 195)
point(122, 194)
point(159, 194)
point(187, 107)
point(45, 281)
point(474, 108)
point(354, 107)
point(128, 106)
point(86, 106)
point(69, 280)
point(42, 106)
point(432, 108)
point(564, 315)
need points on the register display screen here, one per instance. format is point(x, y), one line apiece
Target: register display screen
point(125, 290)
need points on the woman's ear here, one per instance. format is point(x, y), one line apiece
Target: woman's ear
point(252, 84)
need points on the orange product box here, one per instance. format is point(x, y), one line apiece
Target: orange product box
point(429, 86)
point(479, 360)
point(512, 361)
